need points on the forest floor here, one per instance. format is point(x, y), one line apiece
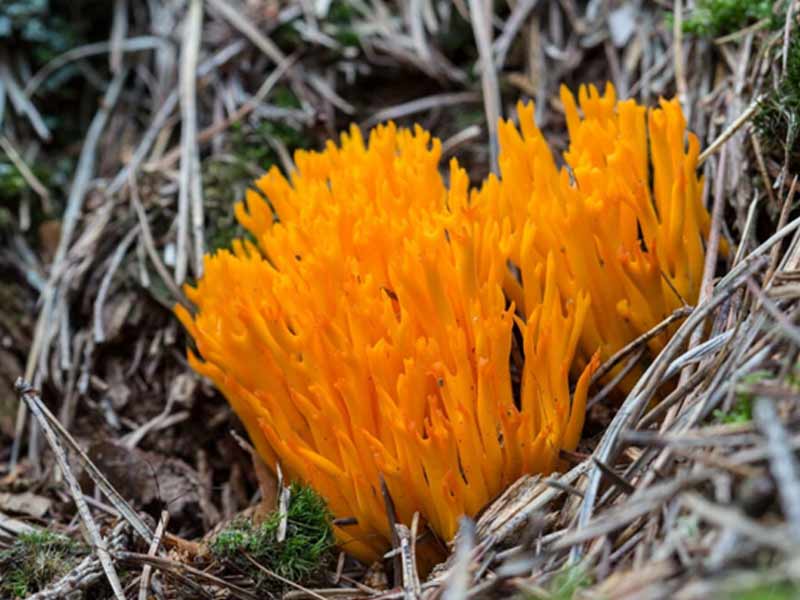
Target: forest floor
point(127, 131)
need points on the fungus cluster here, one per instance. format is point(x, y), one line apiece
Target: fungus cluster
point(383, 328)
point(623, 218)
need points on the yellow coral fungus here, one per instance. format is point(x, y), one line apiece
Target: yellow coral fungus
point(366, 336)
point(636, 248)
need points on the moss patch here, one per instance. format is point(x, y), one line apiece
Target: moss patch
point(249, 155)
point(742, 409)
point(780, 591)
point(301, 557)
point(568, 583)
point(714, 18)
point(778, 119)
point(34, 561)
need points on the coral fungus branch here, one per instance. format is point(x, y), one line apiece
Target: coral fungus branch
point(366, 334)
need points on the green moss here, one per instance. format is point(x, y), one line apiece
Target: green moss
point(224, 183)
point(12, 183)
point(469, 116)
point(347, 37)
point(34, 561)
point(714, 18)
point(569, 582)
point(43, 29)
point(778, 591)
point(778, 118)
point(565, 585)
point(32, 32)
point(742, 409)
point(740, 412)
point(340, 12)
point(284, 97)
point(251, 143)
point(341, 15)
point(300, 557)
point(14, 189)
point(248, 154)
point(33, 23)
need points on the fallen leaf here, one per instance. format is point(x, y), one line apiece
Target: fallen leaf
point(146, 477)
point(25, 503)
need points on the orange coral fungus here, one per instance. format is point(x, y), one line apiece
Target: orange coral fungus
point(366, 337)
point(636, 250)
